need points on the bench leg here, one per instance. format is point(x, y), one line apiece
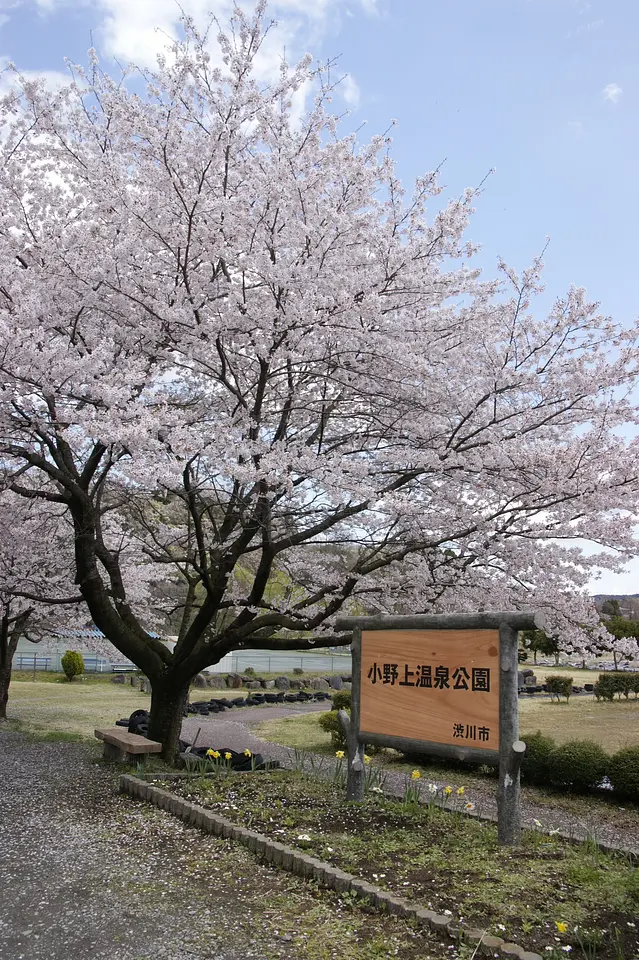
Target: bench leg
point(111, 752)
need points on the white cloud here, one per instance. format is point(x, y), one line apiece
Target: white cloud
point(612, 92)
point(349, 90)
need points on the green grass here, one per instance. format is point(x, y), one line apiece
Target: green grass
point(613, 725)
point(442, 860)
point(71, 708)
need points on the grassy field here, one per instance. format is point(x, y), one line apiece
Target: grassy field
point(72, 708)
point(613, 725)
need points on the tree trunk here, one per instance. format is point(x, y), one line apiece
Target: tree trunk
point(5, 680)
point(8, 646)
point(168, 702)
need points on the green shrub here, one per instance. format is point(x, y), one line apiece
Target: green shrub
point(559, 686)
point(298, 671)
point(535, 767)
point(623, 771)
point(72, 664)
point(578, 765)
point(330, 723)
point(250, 671)
point(622, 683)
point(605, 687)
point(342, 700)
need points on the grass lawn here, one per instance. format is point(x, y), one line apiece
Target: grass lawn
point(613, 725)
point(444, 860)
point(75, 708)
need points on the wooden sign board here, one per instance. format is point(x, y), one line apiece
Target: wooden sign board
point(432, 686)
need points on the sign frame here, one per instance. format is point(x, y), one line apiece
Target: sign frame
point(511, 749)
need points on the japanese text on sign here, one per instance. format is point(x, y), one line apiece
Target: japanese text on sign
point(437, 678)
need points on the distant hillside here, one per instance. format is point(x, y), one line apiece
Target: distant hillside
point(628, 603)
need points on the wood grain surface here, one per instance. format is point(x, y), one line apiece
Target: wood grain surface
point(431, 685)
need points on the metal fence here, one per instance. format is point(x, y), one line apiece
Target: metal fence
point(232, 663)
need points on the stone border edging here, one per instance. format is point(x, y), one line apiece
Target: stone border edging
point(302, 865)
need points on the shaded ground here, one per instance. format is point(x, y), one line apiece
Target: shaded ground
point(88, 874)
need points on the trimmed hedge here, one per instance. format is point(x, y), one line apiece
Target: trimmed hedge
point(578, 765)
point(609, 684)
point(558, 686)
point(623, 771)
point(535, 767)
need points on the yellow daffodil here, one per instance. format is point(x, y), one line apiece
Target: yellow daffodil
point(461, 791)
point(213, 753)
point(448, 791)
point(367, 759)
point(415, 775)
point(339, 754)
point(561, 925)
point(228, 756)
point(247, 753)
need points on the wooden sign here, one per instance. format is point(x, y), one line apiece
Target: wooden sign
point(434, 686)
point(440, 684)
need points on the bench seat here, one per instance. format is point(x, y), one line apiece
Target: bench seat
point(125, 747)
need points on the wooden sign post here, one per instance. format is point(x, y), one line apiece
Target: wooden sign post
point(444, 685)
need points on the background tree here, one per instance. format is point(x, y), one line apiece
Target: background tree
point(539, 642)
point(37, 592)
point(230, 340)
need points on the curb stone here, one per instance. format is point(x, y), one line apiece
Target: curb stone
point(293, 861)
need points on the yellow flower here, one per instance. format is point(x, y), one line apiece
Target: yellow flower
point(460, 791)
point(339, 754)
point(561, 925)
point(213, 753)
point(415, 775)
point(247, 753)
point(367, 759)
point(448, 791)
point(228, 756)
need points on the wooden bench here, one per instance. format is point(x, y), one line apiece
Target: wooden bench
point(125, 747)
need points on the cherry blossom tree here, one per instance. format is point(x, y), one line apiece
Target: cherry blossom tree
point(229, 335)
point(37, 593)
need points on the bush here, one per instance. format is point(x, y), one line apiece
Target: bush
point(622, 683)
point(578, 765)
point(72, 664)
point(342, 700)
point(298, 671)
point(535, 767)
point(250, 671)
point(558, 686)
point(330, 723)
point(623, 771)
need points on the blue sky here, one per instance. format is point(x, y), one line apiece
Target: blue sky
point(544, 91)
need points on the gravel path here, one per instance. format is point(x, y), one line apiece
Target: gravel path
point(88, 874)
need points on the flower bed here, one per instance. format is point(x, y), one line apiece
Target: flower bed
point(547, 895)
